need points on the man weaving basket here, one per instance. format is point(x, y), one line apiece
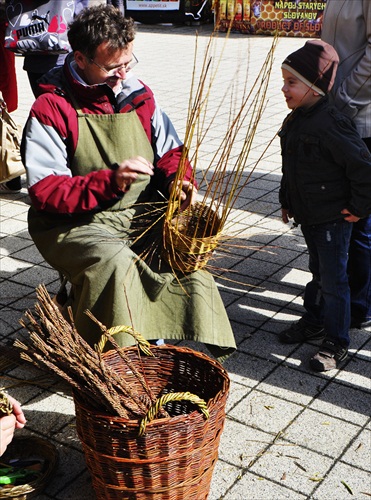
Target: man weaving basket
point(101, 158)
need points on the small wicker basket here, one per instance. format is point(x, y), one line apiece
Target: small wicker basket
point(175, 457)
point(25, 448)
point(191, 237)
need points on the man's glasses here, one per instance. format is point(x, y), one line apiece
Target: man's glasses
point(112, 72)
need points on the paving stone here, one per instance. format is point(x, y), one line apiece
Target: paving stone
point(265, 412)
point(13, 292)
point(246, 369)
point(8, 319)
point(356, 374)
point(321, 433)
point(266, 346)
point(224, 476)
point(27, 275)
point(56, 411)
point(346, 403)
point(11, 244)
point(259, 488)
point(292, 385)
point(13, 226)
point(71, 466)
point(359, 452)
point(240, 445)
point(294, 467)
point(343, 482)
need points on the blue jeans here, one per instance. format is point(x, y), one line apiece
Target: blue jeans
point(359, 269)
point(327, 295)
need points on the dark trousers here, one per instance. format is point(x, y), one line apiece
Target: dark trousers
point(33, 78)
point(359, 266)
point(327, 296)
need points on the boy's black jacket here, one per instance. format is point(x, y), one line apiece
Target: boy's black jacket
point(326, 166)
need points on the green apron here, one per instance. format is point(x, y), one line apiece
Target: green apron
point(99, 253)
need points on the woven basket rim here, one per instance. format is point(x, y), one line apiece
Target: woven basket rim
point(134, 423)
point(196, 414)
point(193, 244)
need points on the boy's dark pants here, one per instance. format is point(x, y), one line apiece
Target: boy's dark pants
point(327, 296)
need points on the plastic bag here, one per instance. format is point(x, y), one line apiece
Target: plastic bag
point(38, 26)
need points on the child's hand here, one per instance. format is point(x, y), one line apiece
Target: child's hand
point(286, 215)
point(349, 217)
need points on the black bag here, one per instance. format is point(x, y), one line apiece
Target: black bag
point(38, 26)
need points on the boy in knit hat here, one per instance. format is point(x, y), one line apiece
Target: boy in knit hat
point(325, 187)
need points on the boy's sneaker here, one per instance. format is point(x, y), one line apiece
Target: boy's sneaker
point(301, 331)
point(328, 357)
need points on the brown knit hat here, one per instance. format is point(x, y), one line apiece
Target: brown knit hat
point(315, 64)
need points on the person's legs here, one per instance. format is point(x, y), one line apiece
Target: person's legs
point(33, 78)
point(359, 269)
point(15, 185)
point(310, 326)
point(332, 242)
point(119, 288)
point(327, 295)
point(313, 298)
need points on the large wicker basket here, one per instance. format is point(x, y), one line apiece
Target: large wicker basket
point(175, 457)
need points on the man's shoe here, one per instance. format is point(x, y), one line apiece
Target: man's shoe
point(4, 188)
point(328, 357)
point(360, 324)
point(301, 331)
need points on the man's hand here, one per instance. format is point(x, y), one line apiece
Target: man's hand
point(286, 215)
point(349, 217)
point(129, 169)
point(7, 427)
point(17, 412)
point(187, 195)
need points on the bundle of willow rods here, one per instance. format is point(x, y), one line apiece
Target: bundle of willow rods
point(189, 241)
point(54, 344)
point(6, 407)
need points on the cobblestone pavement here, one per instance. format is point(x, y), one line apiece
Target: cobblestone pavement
point(289, 433)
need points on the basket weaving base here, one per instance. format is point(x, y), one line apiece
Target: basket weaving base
point(25, 448)
point(191, 237)
point(198, 490)
point(185, 262)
